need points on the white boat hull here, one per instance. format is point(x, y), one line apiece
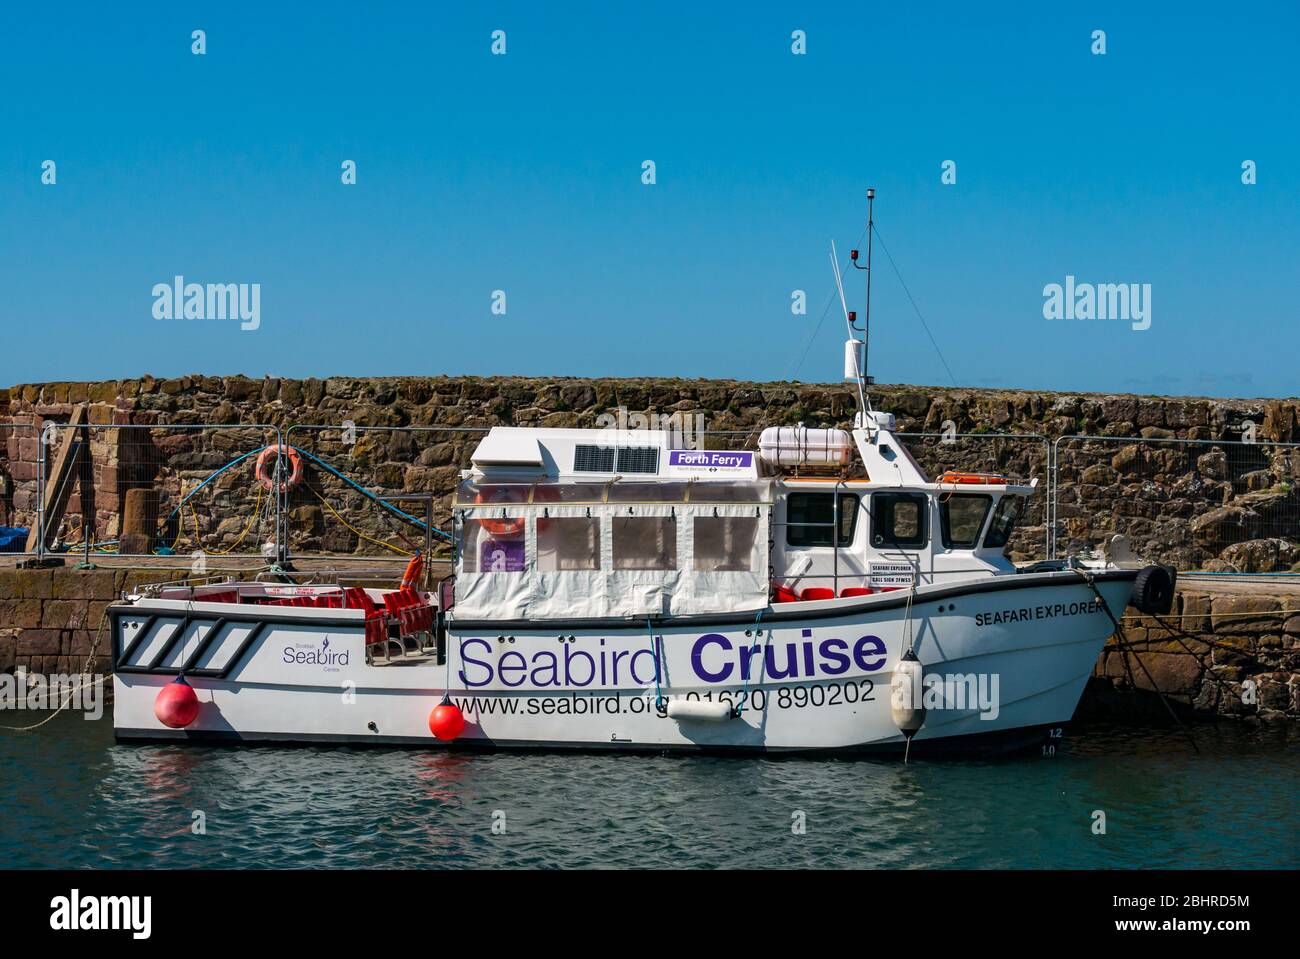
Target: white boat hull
point(819, 678)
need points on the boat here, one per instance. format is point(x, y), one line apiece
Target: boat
point(626, 590)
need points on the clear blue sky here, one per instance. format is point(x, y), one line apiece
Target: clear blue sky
point(523, 173)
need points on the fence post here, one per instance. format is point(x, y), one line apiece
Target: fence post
point(40, 495)
point(86, 468)
point(281, 496)
point(1052, 483)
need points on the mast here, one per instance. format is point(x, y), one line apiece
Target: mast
point(866, 318)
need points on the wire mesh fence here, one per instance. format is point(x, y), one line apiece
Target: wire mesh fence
point(19, 485)
point(355, 496)
point(137, 490)
point(1215, 505)
point(369, 492)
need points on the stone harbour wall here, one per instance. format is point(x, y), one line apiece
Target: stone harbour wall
point(1195, 505)
point(1228, 507)
point(1225, 649)
point(49, 618)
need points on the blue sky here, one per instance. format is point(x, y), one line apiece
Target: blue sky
point(523, 173)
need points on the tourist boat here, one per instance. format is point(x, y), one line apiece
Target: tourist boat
point(622, 590)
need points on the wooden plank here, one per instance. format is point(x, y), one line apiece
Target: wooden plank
point(63, 464)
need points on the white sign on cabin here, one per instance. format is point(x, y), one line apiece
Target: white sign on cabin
point(890, 574)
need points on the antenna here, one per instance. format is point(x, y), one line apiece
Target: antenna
point(866, 318)
point(852, 364)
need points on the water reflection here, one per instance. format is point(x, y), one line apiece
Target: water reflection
point(75, 798)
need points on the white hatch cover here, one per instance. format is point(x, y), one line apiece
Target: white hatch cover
point(508, 447)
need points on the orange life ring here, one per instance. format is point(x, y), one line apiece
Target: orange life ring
point(267, 457)
point(411, 578)
point(499, 527)
point(972, 479)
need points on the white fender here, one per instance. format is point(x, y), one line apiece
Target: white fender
point(905, 701)
point(680, 709)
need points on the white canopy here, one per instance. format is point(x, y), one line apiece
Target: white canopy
point(570, 551)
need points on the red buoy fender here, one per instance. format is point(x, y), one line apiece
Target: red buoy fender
point(446, 721)
point(177, 705)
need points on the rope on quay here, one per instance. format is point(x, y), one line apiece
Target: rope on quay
point(369, 539)
point(1128, 646)
point(180, 506)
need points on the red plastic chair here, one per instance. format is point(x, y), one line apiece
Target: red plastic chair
point(818, 592)
point(856, 591)
point(784, 594)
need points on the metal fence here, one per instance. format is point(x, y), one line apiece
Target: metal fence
point(136, 490)
point(355, 479)
point(20, 499)
point(366, 492)
point(1195, 504)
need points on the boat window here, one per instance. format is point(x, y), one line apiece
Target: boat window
point(730, 492)
point(899, 519)
point(962, 517)
point(567, 542)
point(647, 492)
point(810, 516)
point(725, 543)
point(493, 546)
point(645, 542)
point(569, 493)
point(1004, 521)
point(475, 494)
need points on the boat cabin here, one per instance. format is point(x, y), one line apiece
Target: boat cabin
point(575, 524)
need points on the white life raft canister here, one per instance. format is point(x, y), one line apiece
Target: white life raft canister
point(802, 446)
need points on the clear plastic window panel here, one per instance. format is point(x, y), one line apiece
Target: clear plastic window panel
point(725, 543)
point(567, 543)
point(645, 542)
point(493, 546)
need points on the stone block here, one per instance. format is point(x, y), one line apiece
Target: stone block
point(1238, 613)
point(39, 642)
point(56, 613)
point(23, 614)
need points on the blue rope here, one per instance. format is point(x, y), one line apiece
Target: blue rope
point(365, 492)
point(234, 462)
point(749, 662)
point(326, 466)
point(654, 652)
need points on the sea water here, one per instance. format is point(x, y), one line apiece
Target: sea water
point(1109, 797)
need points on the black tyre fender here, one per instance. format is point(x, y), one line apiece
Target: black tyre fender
point(1153, 589)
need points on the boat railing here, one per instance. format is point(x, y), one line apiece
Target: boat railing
point(834, 527)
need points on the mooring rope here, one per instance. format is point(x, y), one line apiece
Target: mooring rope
point(654, 653)
point(85, 670)
point(749, 663)
point(1119, 631)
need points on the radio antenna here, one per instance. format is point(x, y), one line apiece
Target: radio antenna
point(853, 255)
point(852, 362)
